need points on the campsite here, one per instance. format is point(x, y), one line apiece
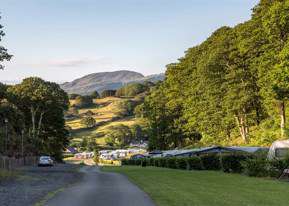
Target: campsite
point(144, 103)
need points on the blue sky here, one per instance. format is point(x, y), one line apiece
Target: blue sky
point(60, 40)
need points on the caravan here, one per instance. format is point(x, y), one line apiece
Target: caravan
point(279, 149)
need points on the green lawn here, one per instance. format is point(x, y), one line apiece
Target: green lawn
point(169, 187)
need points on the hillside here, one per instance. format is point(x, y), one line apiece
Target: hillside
point(107, 113)
point(106, 80)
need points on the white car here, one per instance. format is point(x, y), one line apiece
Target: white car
point(45, 161)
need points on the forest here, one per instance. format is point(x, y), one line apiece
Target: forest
point(232, 89)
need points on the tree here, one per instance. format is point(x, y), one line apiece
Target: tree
point(89, 122)
point(125, 108)
point(73, 96)
point(42, 104)
point(108, 93)
point(3, 89)
point(83, 101)
point(131, 90)
point(95, 95)
point(3, 51)
point(119, 135)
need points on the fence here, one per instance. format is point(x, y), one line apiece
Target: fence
point(10, 163)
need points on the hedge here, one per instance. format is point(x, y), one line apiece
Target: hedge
point(195, 163)
point(232, 163)
point(211, 162)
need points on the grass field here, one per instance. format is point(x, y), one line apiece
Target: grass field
point(168, 187)
point(105, 112)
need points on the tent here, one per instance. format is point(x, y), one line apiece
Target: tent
point(279, 149)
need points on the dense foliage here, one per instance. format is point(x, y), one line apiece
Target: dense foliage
point(230, 89)
point(3, 51)
point(108, 93)
point(88, 121)
point(248, 164)
point(32, 115)
point(133, 89)
point(83, 101)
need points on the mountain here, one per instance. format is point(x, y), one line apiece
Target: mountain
point(152, 78)
point(106, 80)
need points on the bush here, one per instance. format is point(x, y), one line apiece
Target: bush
point(181, 163)
point(162, 162)
point(256, 167)
point(138, 162)
point(211, 162)
point(157, 162)
point(194, 163)
point(144, 162)
point(276, 167)
point(131, 162)
point(151, 162)
point(171, 163)
point(233, 162)
point(83, 101)
point(124, 162)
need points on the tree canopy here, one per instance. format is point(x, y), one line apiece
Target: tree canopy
point(233, 85)
point(4, 55)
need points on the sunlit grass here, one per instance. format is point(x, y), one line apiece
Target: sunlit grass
point(168, 187)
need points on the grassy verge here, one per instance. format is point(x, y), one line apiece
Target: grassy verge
point(4, 174)
point(49, 196)
point(169, 187)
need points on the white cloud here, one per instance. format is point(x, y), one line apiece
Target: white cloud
point(72, 63)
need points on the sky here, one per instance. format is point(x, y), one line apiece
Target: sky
point(60, 40)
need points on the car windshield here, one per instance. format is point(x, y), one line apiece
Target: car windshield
point(44, 158)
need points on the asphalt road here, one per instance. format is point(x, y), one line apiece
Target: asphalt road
point(101, 189)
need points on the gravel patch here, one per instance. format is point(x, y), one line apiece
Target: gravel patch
point(34, 183)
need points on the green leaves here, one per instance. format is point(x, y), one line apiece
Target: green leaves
point(227, 85)
point(3, 51)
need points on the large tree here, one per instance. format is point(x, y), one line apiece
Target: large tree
point(42, 104)
point(3, 51)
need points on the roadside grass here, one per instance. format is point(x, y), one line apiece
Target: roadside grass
point(168, 187)
point(49, 196)
point(5, 174)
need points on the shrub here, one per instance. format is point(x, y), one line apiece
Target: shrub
point(276, 167)
point(171, 162)
point(157, 162)
point(256, 167)
point(138, 162)
point(124, 162)
point(181, 163)
point(144, 162)
point(162, 162)
point(89, 122)
point(151, 161)
point(131, 162)
point(83, 101)
point(211, 162)
point(195, 163)
point(108, 93)
point(233, 162)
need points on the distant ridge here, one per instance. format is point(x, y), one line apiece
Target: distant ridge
point(106, 80)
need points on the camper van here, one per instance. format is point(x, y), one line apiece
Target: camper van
point(279, 149)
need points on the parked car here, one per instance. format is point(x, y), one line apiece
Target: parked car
point(45, 161)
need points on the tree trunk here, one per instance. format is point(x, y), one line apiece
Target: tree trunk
point(40, 123)
point(243, 128)
point(33, 114)
point(282, 113)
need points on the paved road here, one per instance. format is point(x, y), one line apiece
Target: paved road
point(101, 189)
